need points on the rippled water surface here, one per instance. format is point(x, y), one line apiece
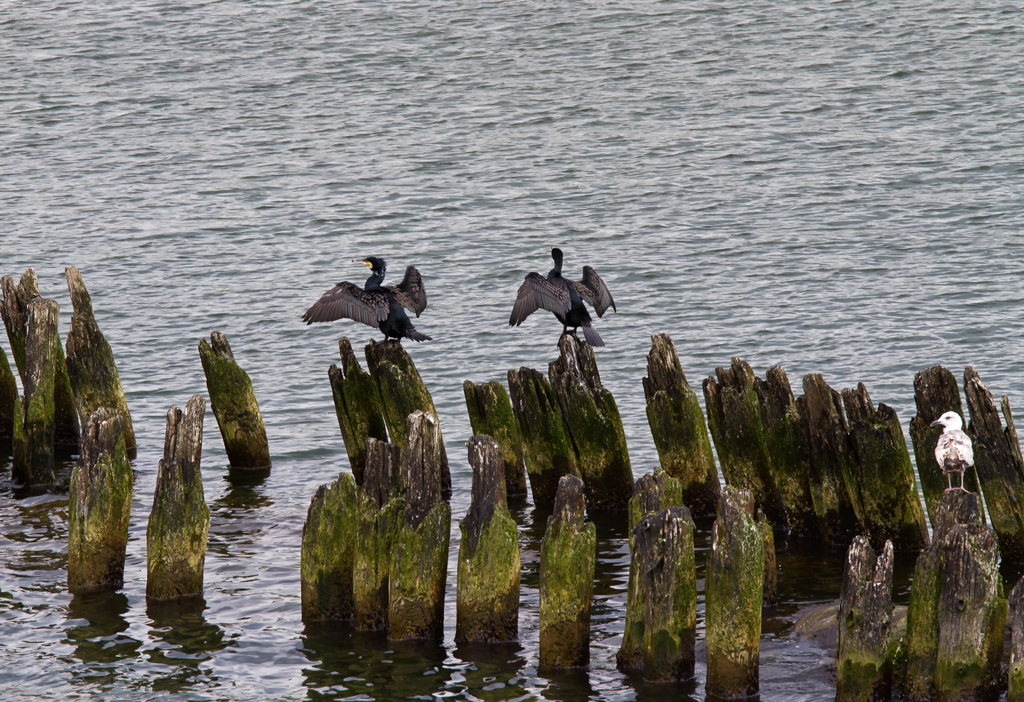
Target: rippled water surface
point(836, 187)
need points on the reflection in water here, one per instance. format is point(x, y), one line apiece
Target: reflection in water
point(185, 640)
point(96, 625)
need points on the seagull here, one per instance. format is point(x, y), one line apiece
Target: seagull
point(954, 452)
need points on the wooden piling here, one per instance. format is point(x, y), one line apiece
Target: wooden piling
point(935, 393)
point(488, 575)
point(733, 598)
point(90, 362)
point(770, 592)
point(403, 392)
point(35, 424)
point(328, 552)
point(419, 565)
point(653, 493)
point(490, 413)
point(678, 427)
point(180, 520)
point(14, 310)
point(233, 402)
point(882, 483)
point(568, 557)
point(864, 660)
point(8, 396)
point(547, 451)
point(592, 422)
point(99, 503)
point(999, 465)
point(1015, 691)
point(358, 406)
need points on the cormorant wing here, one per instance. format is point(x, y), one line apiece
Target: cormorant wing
point(537, 292)
point(349, 301)
point(410, 292)
point(593, 290)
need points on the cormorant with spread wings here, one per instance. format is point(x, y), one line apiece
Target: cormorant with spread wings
point(564, 298)
point(380, 306)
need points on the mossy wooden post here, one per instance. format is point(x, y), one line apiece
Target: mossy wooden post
point(734, 417)
point(770, 594)
point(652, 493)
point(733, 598)
point(935, 393)
point(90, 362)
point(180, 520)
point(99, 504)
point(328, 552)
point(831, 460)
point(863, 663)
point(788, 450)
point(592, 421)
point(402, 392)
point(678, 427)
point(998, 462)
point(488, 576)
point(490, 413)
point(1015, 693)
point(547, 451)
point(357, 404)
point(8, 396)
point(887, 503)
point(568, 557)
point(14, 310)
point(35, 424)
point(233, 402)
point(380, 510)
point(419, 566)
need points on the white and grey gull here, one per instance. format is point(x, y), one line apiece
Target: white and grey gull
point(954, 451)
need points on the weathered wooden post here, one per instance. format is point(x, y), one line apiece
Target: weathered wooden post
point(998, 462)
point(547, 451)
point(490, 413)
point(180, 520)
point(592, 421)
point(98, 506)
point(770, 593)
point(380, 510)
point(864, 656)
point(678, 427)
point(1015, 693)
point(661, 607)
point(568, 556)
point(935, 392)
point(328, 552)
point(734, 417)
point(234, 405)
point(831, 460)
point(357, 404)
point(790, 456)
point(653, 493)
point(733, 599)
point(488, 577)
point(14, 310)
point(90, 362)
point(34, 423)
point(8, 396)
point(887, 503)
point(402, 392)
point(420, 559)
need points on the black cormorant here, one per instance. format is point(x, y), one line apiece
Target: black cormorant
point(377, 305)
point(564, 298)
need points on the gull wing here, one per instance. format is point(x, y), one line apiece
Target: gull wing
point(348, 301)
point(410, 292)
point(593, 290)
point(538, 293)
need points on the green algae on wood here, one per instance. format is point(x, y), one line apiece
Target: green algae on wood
point(547, 451)
point(999, 465)
point(886, 502)
point(593, 425)
point(180, 520)
point(490, 413)
point(402, 392)
point(328, 552)
point(36, 426)
point(488, 574)
point(90, 361)
point(678, 427)
point(1015, 692)
point(13, 309)
point(99, 505)
point(233, 402)
point(935, 393)
point(865, 615)
point(358, 406)
point(770, 594)
point(8, 396)
point(652, 493)
point(568, 556)
point(733, 598)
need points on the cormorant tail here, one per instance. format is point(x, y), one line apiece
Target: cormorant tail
point(417, 336)
point(591, 335)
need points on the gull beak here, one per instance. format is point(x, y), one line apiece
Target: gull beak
point(937, 423)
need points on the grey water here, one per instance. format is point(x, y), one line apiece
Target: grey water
point(835, 187)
